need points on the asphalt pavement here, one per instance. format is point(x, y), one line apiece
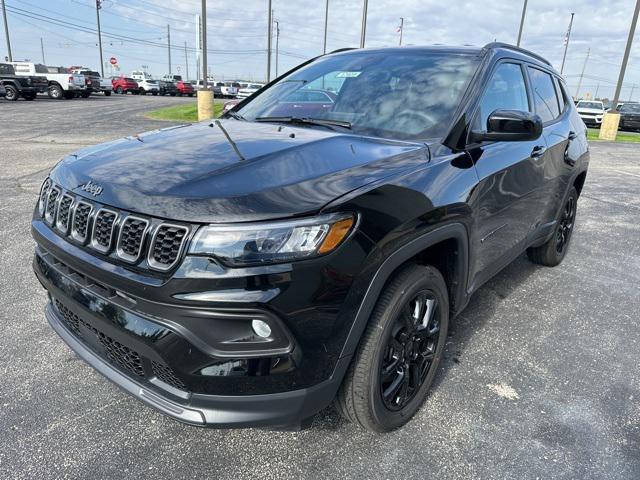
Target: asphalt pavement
point(541, 376)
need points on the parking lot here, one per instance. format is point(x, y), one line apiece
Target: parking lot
point(540, 378)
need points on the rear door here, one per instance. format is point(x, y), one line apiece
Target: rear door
point(510, 175)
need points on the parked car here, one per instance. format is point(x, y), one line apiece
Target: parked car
point(125, 85)
point(60, 82)
point(172, 78)
point(227, 89)
point(249, 90)
point(95, 83)
point(249, 272)
point(166, 87)
point(630, 116)
point(25, 86)
point(146, 83)
point(184, 88)
point(591, 112)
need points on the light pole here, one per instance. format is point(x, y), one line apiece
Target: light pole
point(270, 15)
point(169, 46)
point(363, 28)
point(566, 43)
point(6, 31)
point(611, 120)
point(524, 12)
point(277, 43)
point(584, 67)
point(205, 95)
point(98, 7)
point(401, 28)
point(326, 24)
point(186, 60)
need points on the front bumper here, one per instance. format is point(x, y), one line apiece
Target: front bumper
point(591, 119)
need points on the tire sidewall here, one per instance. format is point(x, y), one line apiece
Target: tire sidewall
point(385, 418)
point(560, 256)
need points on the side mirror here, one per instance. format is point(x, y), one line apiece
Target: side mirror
point(510, 125)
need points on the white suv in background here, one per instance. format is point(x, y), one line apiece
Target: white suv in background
point(591, 112)
point(146, 83)
point(249, 90)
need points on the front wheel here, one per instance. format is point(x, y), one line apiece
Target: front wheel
point(399, 352)
point(12, 93)
point(55, 92)
point(107, 93)
point(554, 250)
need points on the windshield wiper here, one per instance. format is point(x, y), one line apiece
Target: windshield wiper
point(324, 122)
point(235, 115)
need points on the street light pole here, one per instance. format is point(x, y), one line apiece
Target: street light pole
point(566, 43)
point(270, 15)
point(42, 50)
point(363, 28)
point(98, 7)
point(584, 67)
point(186, 60)
point(326, 24)
point(524, 12)
point(277, 43)
point(401, 29)
point(169, 46)
point(611, 120)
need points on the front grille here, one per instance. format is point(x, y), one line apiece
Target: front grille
point(103, 226)
point(123, 357)
point(165, 373)
point(167, 245)
point(80, 227)
point(50, 212)
point(106, 230)
point(64, 212)
point(131, 238)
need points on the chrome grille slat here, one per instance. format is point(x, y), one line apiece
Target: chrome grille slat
point(117, 234)
point(64, 213)
point(52, 204)
point(104, 225)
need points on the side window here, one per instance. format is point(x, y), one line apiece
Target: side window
point(562, 94)
point(544, 95)
point(506, 91)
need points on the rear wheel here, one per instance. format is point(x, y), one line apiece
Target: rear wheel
point(142, 91)
point(554, 250)
point(399, 353)
point(119, 90)
point(12, 93)
point(55, 92)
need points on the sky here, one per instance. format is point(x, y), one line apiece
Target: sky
point(135, 33)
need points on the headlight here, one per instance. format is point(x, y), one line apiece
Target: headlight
point(273, 242)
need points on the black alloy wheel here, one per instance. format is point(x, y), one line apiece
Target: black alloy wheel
point(566, 225)
point(410, 350)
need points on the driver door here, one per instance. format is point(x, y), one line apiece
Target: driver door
point(509, 173)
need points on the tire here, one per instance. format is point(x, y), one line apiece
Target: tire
point(173, 94)
point(142, 91)
point(107, 93)
point(56, 92)
point(554, 250)
point(119, 90)
point(179, 94)
point(388, 340)
point(155, 94)
point(85, 94)
point(69, 95)
point(12, 93)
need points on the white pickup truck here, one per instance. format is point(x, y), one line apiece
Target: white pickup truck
point(591, 112)
point(62, 84)
point(146, 82)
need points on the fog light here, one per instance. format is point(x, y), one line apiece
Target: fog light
point(262, 329)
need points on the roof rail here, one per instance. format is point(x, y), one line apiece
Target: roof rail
point(345, 49)
point(493, 45)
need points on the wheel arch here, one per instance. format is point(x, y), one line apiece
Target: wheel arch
point(425, 249)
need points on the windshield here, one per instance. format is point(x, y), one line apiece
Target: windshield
point(407, 95)
point(630, 107)
point(596, 105)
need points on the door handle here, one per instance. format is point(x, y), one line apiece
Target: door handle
point(538, 151)
point(572, 136)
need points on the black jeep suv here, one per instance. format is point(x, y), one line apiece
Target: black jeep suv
point(313, 245)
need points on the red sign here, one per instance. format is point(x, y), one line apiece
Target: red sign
point(113, 61)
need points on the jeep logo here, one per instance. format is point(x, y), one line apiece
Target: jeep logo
point(92, 188)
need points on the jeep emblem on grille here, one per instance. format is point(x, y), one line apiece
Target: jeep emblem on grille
point(92, 188)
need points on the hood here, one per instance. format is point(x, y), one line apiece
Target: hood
point(248, 171)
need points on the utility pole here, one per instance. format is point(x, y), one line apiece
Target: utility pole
point(204, 45)
point(625, 59)
point(270, 15)
point(98, 7)
point(169, 46)
point(186, 60)
point(363, 28)
point(277, 43)
point(205, 95)
point(524, 12)
point(326, 24)
point(44, 62)
point(566, 43)
point(582, 73)
point(595, 96)
point(401, 28)
point(6, 31)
